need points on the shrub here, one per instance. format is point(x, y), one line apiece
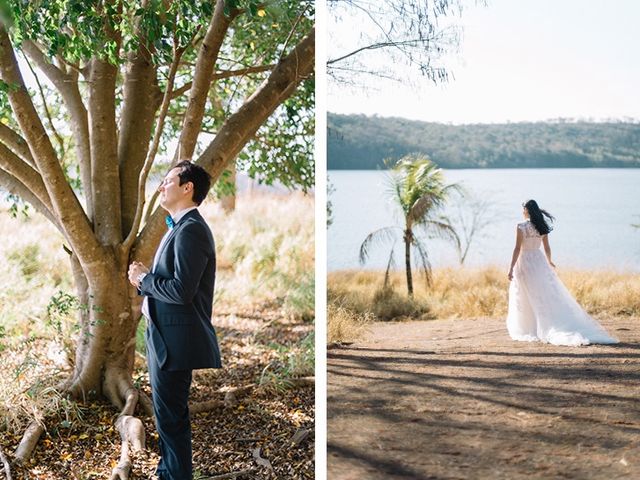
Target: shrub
point(390, 305)
point(344, 325)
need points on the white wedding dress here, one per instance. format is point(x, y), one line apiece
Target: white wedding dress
point(540, 306)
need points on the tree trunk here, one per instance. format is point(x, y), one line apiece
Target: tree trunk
point(407, 260)
point(109, 316)
point(105, 352)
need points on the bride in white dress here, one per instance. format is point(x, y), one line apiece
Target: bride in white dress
point(540, 306)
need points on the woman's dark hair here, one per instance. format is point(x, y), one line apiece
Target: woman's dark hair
point(537, 217)
point(190, 172)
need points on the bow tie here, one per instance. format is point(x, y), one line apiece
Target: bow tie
point(169, 221)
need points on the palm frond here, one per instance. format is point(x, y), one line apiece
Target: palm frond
point(423, 258)
point(423, 188)
point(423, 207)
point(395, 185)
point(379, 236)
point(455, 188)
point(441, 228)
point(390, 263)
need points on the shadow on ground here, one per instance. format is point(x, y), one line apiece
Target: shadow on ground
point(458, 399)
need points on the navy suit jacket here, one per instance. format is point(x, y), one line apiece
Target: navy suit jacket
point(180, 294)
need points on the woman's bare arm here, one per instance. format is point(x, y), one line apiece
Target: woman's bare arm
point(516, 252)
point(547, 249)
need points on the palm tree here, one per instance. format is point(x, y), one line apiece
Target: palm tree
point(417, 186)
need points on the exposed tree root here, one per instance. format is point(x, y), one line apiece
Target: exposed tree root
point(121, 392)
point(131, 429)
point(300, 435)
point(303, 381)
point(231, 397)
point(232, 475)
point(205, 406)
point(29, 439)
point(5, 462)
point(146, 404)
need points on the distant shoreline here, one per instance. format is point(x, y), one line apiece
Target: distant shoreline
point(358, 142)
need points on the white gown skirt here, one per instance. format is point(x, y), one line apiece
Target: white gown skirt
point(542, 309)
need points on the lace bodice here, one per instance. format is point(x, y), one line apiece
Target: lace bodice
point(531, 238)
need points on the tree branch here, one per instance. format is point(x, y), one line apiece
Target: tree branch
point(53, 73)
point(225, 74)
point(105, 176)
point(23, 172)
point(46, 109)
point(67, 85)
point(292, 31)
point(142, 97)
point(15, 142)
point(202, 79)
point(65, 204)
point(151, 155)
point(373, 46)
point(240, 127)
point(16, 187)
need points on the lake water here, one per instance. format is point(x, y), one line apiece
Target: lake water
point(594, 210)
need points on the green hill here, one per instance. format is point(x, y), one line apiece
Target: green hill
point(359, 142)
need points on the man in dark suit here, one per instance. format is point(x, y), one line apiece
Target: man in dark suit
point(178, 293)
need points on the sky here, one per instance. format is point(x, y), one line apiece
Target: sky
point(521, 60)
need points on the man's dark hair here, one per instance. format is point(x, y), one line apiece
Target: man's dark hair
point(190, 172)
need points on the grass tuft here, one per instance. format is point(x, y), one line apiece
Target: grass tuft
point(291, 362)
point(344, 325)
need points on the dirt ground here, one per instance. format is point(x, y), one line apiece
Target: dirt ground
point(255, 436)
point(458, 399)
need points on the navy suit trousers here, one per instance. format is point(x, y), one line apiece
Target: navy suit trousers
point(170, 391)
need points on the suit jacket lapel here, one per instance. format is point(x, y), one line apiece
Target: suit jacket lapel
point(174, 230)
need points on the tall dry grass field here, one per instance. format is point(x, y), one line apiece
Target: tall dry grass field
point(467, 293)
point(35, 267)
point(265, 253)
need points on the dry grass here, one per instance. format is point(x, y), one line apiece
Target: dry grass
point(35, 267)
point(28, 379)
point(472, 293)
point(343, 325)
point(266, 251)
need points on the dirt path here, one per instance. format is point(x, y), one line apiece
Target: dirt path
point(457, 399)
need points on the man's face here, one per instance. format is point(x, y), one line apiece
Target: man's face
point(172, 194)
